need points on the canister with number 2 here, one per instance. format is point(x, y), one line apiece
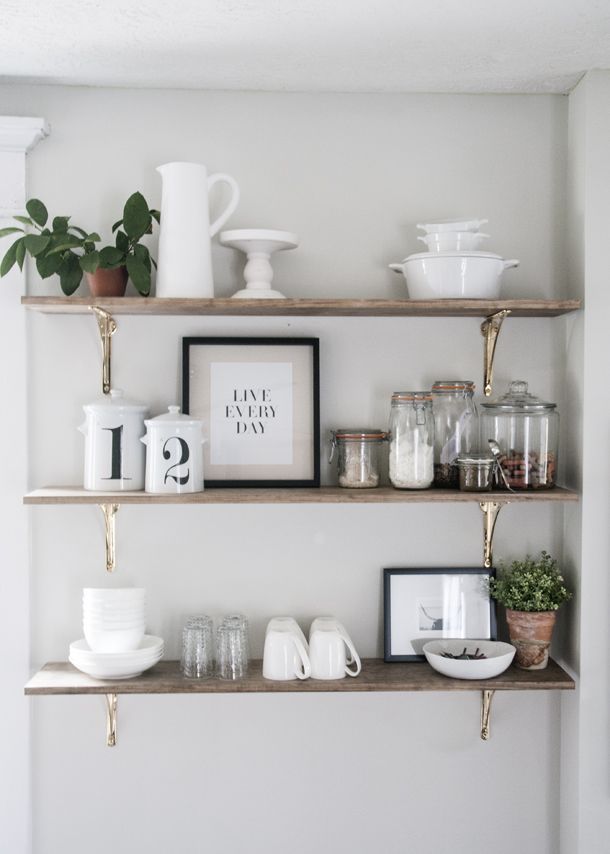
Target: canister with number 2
point(174, 453)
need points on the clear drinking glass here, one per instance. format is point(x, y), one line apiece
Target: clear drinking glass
point(232, 648)
point(197, 660)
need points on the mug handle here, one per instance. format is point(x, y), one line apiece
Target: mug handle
point(354, 657)
point(306, 672)
point(224, 216)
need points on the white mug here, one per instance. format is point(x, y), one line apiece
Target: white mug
point(328, 646)
point(288, 623)
point(285, 656)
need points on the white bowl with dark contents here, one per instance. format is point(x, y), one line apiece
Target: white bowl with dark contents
point(469, 659)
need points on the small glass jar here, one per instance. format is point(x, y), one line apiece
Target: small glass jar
point(456, 427)
point(357, 456)
point(411, 440)
point(526, 430)
point(476, 472)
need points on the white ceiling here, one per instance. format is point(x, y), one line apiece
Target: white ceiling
point(307, 45)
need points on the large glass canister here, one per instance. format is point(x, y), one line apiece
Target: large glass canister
point(357, 456)
point(456, 428)
point(411, 440)
point(526, 430)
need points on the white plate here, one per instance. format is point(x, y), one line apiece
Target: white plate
point(498, 657)
point(112, 672)
point(149, 645)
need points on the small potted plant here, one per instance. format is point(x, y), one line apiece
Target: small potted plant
point(531, 590)
point(69, 251)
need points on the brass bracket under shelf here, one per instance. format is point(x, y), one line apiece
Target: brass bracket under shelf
point(111, 719)
point(107, 327)
point(490, 510)
point(486, 698)
point(110, 511)
point(490, 329)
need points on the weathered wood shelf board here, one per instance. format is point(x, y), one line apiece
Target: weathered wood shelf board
point(321, 495)
point(303, 307)
point(165, 678)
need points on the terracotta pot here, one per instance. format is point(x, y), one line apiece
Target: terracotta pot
point(531, 632)
point(108, 283)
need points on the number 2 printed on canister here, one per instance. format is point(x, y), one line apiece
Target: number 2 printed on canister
point(174, 453)
point(114, 456)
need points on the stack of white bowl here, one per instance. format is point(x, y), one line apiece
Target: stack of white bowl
point(115, 645)
point(453, 267)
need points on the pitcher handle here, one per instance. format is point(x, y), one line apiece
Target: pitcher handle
point(354, 657)
point(224, 216)
point(306, 672)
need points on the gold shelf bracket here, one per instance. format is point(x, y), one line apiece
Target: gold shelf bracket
point(490, 329)
point(486, 698)
point(107, 327)
point(111, 718)
point(490, 510)
point(110, 511)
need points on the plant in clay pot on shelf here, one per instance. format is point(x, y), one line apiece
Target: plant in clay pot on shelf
point(531, 590)
point(68, 251)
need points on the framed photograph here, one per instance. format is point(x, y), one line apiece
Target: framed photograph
point(428, 604)
point(259, 400)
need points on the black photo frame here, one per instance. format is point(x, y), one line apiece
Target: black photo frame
point(259, 401)
point(432, 603)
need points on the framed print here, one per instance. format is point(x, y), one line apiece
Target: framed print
point(429, 604)
point(259, 401)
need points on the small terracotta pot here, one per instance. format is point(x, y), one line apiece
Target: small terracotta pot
point(531, 632)
point(108, 283)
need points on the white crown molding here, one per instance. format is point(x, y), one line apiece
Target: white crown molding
point(21, 133)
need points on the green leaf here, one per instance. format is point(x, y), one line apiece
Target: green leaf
point(78, 230)
point(47, 265)
point(90, 262)
point(156, 215)
point(21, 253)
point(37, 211)
point(139, 275)
point(94, 237)
point(24, 219)
point(60, 224)
point(136, 216)
point(36, 243)
point(68, 243)
point(117, 224)
point(10, 230)
point(70, 274)
point(111, 257)
point(143, 255)
point(122, 241)
point(10, 257)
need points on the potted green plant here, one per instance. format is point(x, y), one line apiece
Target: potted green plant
point(69, 251)
point(531, 590)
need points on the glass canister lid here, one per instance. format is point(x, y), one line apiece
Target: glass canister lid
point(411, 396)
point(519, 399)
point(475, 460)
point(359, 434)
point(452, 386)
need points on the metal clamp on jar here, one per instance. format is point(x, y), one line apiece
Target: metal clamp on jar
point(357, 456)
point(526, 430)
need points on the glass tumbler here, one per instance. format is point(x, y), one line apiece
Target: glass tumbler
point(231, 650)
point(197, 660)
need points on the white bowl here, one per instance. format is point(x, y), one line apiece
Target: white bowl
point(119, 640)
point(498, 657)
point(114, 614)
point(453, 275)
point(96, 625)
point(452, 225)
point(113, 594)
point(126, 669)
point(149, 645)
point(453, 241)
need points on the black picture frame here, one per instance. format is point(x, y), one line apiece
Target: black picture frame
point(456, 597)
point(286, 400)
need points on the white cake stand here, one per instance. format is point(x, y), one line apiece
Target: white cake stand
point(259, 244)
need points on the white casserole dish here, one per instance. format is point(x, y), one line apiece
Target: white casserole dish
point(453, 275)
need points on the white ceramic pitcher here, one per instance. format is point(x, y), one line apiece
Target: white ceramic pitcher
point(184, 256)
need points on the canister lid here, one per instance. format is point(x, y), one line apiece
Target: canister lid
point(443, 386)
point(476, 460)
point(173, 416)
point(518, 399)
point(359, 434)
point(115, 400)
point(411, 396)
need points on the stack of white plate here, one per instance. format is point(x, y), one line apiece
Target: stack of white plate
point(117, 665)
point(114, 619)
point(453, 235)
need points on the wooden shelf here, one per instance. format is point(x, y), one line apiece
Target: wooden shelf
point(165, 678)
point(303, 307)
point(322, 495)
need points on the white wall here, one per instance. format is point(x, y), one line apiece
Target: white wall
point(351, 175)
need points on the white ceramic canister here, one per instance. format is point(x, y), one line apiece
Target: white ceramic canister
point(114, 456)
point(174, 453)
